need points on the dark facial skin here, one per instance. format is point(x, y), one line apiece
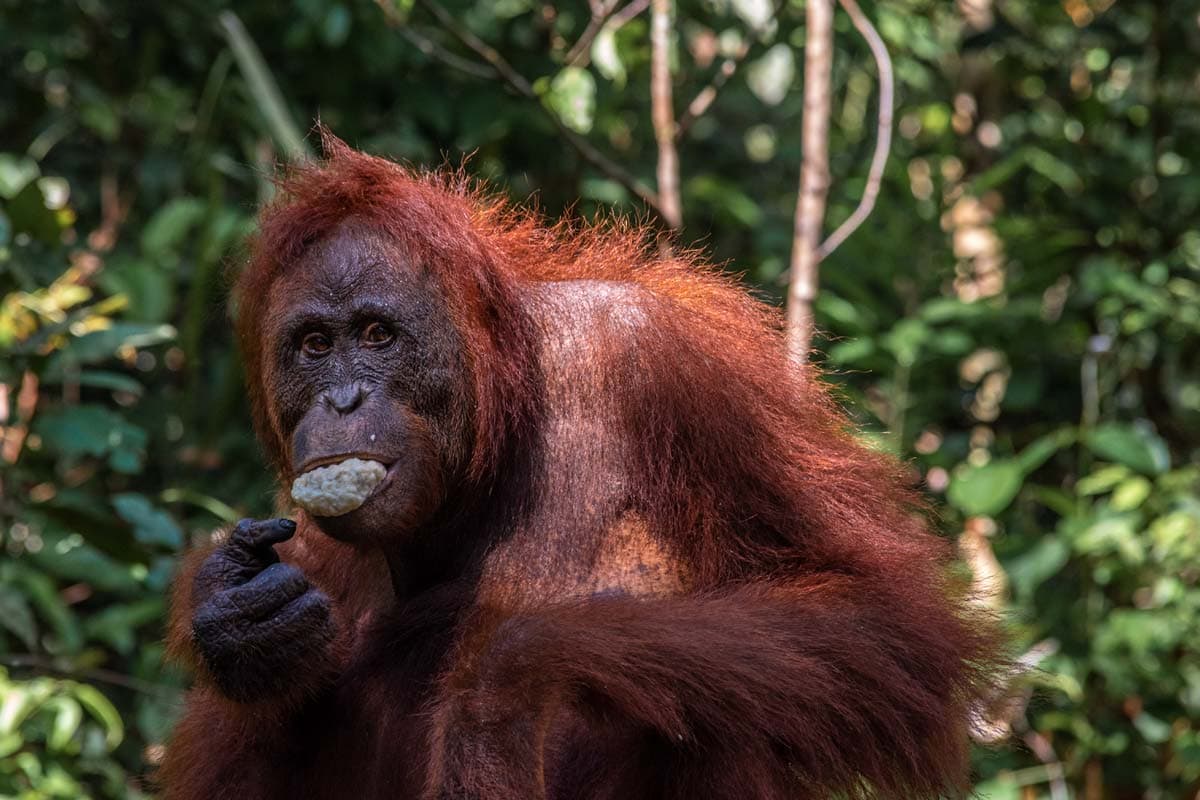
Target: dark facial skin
point(365, 363)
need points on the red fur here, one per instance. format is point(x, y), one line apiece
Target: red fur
point(816, 645)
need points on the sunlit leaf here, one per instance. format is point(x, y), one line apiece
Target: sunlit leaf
point(771, 75)
point(572, 95)
point(103, 710)
point(16, 172)
point(606, 57)
point(1135, 447)
point(68, 714)
point(1130, 494)
point(985, 490)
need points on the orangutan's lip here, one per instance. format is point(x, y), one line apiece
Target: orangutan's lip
point(391, 468)
point(325, 461)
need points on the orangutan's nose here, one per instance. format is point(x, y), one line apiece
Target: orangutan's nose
point(344, 399)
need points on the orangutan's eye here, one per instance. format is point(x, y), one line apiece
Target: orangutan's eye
point(377, 335)
point(316, 345)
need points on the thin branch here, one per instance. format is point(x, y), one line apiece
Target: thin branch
point(431, 48)
point(577, 56)
point(436, 51)
point(883, 135)
point(114, 208)
point(1044, 751)
point(627, 14)
point(480, 48)
point(662, 112)
point(706, 96)
point(580, 54)
point(814, 178)
point(48, 666)
point(12, 437)
point(523, 87)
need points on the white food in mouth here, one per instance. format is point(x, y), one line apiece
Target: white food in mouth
point(338, 488)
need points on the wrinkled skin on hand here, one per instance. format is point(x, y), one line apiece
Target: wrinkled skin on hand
point(257, 620)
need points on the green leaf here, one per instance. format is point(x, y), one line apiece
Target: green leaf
point(1130, 494)
point(99, 116)
point(986, 490)
point(905, 340)
point(30, 214)
point(1030, 569)
point(1040, 450)
point(16, 172)
point(212, 505)
point(604, 190)
point(102, 379)
point(336, 26)
point(151, 526)
point(851, 351)
point(117, 625)
point(164, 232)
point(1152, 729)
point(102, 345)
point(850, 317)
point(93, 431)
point(771, 76)
point(943, 310)
point(17, 616)
point(572, 95)
point(263, 88)
point(103, 710)
point(725, 198)
point(1136, 447)
point(1041, 161)
point(1113, 533)
point(1102, 480)
point(999, 788)
point(607, 57)
point(16, 704)
point(42, 593)
point(69, 557)
point(67, 717)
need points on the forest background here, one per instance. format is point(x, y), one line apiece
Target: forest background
point(1019, 317)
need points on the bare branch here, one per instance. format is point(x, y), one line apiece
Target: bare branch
point(431, 48)
point(577, 56)
point(883, 135)
point(48, 666)
point(662, 112)
point(517, 82)
point(581, 53)
point(627, 14)
point(12, 437)
point(480, 48)
point(705, 97)
point(814, 178)
point(1041, 747)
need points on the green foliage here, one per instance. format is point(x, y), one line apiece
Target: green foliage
point(1020, 317)
point(56, 738)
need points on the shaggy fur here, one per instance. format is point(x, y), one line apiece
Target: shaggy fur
point(665, 569)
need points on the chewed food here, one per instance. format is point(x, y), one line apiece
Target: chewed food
point(338, 488)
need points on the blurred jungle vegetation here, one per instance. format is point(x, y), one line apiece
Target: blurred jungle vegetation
point(1019, 318)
